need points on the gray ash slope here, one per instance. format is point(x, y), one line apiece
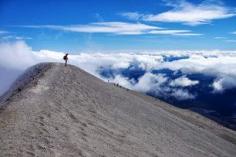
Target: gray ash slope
point(54, 110)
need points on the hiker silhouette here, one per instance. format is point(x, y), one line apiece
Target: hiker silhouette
point(66, 58)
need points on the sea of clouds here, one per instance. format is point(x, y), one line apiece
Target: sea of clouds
point(163, 73)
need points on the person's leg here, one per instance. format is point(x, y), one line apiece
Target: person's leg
point(65, 62)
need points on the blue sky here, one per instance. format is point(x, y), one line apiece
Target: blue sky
point(102, 25)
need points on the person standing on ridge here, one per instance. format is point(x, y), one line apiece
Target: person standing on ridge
point(66, 58)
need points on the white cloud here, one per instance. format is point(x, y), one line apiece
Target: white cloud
point(175, 32)
point(149, 81)
point(132, 15)
point(182, 94)
point(22, 38)
point(104, 27)
point(217, 85)
point(189, 34)
point(9, 37)
point(118, 28)
point(5, 35)
point(225, 82)
point(219, 38)
point(3, 32)
point(158, 84)
point(189, 13)
point(17, 55)
point(183, 81)
point(234, 32)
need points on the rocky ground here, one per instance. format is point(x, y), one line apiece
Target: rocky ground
point(53, 110)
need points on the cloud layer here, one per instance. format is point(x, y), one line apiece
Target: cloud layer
point(166, 73)
point(117, 28)
point(187, 13)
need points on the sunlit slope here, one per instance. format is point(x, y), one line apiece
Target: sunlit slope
point(54, 110)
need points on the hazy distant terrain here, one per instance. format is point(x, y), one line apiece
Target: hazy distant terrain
point(54, 110)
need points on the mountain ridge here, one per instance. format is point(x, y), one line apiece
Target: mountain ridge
point(53, 110)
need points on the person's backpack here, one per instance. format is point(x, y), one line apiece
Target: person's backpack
point(64, 57)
